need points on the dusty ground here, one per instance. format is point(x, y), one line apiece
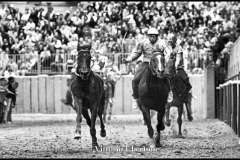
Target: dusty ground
point(51, 136)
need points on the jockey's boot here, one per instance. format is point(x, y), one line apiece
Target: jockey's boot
point(134, 103)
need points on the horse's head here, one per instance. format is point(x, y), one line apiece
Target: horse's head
point(84, 61)
point(174, 61)
point(170, 65)
point(157, 64)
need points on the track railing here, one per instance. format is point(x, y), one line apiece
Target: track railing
point(228, 99)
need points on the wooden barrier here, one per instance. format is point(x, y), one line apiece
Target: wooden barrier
point(238, 109)
point(199, 107)
point(43, 94)
point(229, 97)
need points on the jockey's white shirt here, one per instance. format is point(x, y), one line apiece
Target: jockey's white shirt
point(147, 49)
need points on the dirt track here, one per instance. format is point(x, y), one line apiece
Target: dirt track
point(51, 136)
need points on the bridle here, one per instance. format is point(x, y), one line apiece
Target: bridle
point(83, 75)
point(154, 72)
point(166, 76)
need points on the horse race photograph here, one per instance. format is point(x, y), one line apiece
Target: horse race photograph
point(119, 79)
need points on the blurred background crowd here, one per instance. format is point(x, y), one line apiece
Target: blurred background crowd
point(48, 39)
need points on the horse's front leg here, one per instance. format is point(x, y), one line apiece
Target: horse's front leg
point(160, 127)
point(86, 116)
point(147, 118)
point(179, 119)
point(103, 131)
point(94, 113)
point(167, 113)
point(78, 105)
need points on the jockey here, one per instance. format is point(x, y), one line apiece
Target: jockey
point(146, 48)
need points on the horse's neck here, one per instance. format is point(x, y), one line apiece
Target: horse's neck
point(151, 78)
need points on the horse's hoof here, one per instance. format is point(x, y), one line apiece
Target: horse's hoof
point(158, 145)
point(168, 123)
point(95, 147)
point(103, 134)
point(77, 137)
point(190, 118)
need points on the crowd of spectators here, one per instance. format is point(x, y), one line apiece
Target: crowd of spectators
point(205, 30)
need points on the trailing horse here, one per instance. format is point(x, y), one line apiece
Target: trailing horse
point(180, 87)
point(153, 91)
point(87, 89)
point(181, 95)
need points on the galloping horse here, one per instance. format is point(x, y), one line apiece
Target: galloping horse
point(181, 95)
point(88, 93)
point(153, 92)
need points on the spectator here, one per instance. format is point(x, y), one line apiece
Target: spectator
point(102, 20)
point(9, 72)
point(25, 16)
point(11, 100)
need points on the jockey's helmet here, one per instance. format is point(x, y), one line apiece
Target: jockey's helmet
point(153, 31)
point(153, 35)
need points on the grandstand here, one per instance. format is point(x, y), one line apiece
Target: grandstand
point(47, 43)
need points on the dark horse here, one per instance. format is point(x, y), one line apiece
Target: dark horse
point(88, 93)
point(181, 95)
point(153, 93)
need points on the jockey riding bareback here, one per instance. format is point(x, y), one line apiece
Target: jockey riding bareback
point(147, 48)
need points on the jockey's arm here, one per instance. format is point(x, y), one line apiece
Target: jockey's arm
point(136, 53)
